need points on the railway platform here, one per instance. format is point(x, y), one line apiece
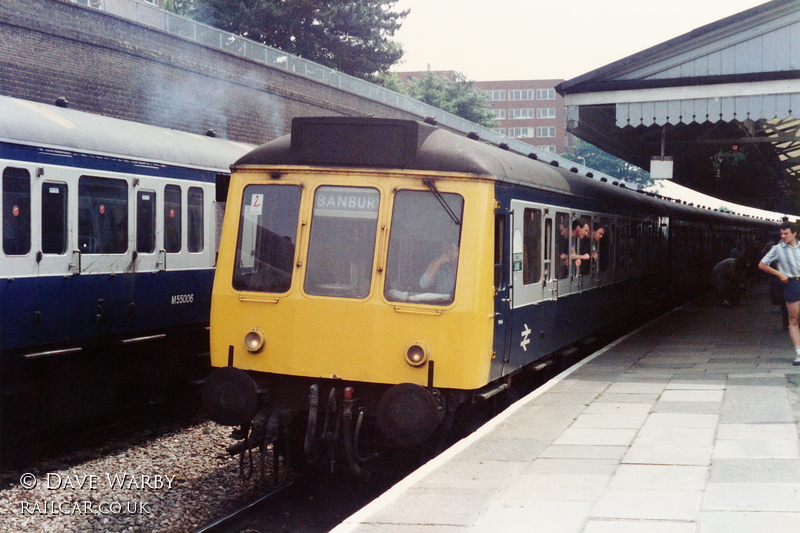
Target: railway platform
point(687, 425)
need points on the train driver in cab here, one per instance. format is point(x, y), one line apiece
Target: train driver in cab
point(440, 276)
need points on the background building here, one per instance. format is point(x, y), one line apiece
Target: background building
point(529, 110)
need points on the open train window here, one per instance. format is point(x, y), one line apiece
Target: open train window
point(146, 222)
point(267, 238)
point(562, 245)
point(601, 244)
point(16, 211)
point(341, 248)
point(172, 218)
point(195, 220)
point(102, 215)
point(54, 218)
point(424, 245)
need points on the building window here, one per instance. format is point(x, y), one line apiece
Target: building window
point(545, 94)
point(521, 94)
point(496, 96)
point(546, 112)
point(519, 133)
point(549, 148)
point(548, 131)
point(501, 131)
point(498, 114)
point(520, 113)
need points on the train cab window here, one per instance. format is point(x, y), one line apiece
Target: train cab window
point(195, 219)
point(102, 215)
point(16, 211)
point(172, 218)
point(341, 247)
point(562, 245)
point(532, 246)
point(424, 245)
point(54, 218)
point(267, 238)
point(146, 222)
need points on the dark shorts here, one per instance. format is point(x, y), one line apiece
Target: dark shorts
point(791, 291)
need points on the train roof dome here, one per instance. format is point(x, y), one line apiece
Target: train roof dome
point(49, 126)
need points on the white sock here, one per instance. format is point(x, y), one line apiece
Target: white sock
point(797, 350)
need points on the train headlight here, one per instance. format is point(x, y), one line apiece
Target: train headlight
point(255, 340)
point(417, 353)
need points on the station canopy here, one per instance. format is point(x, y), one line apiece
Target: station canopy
point(718, 108)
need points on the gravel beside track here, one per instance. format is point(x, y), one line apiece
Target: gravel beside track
point(169, 480)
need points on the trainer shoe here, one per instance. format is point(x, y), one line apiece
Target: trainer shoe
point(796, 361)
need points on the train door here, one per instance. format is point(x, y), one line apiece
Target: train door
point(503, 291)
point(531, 242)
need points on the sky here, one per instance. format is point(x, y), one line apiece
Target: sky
point(533, 39)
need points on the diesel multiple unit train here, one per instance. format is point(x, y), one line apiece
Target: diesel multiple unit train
point(108, 249)
point(377, 278)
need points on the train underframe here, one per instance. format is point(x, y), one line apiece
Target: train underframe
point(52, 398)
point(284, 423)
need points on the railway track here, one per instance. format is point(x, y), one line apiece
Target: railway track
point(238, 519)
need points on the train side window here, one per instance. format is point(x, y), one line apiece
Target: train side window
point(172, 218)
point(422, 263)
point(54, 218)
point(267, 238)
point(562, 245)
point(341, 247)
point(195, 219)
point(532, 246)
point(146, 222)
point(548, 248)
point(16, 211)
point(102, 215)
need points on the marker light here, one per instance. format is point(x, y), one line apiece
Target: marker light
point(417, 354)
point(255, 340)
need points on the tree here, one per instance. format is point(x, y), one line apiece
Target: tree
point(456, 95)
point(593, 157)
point(352, 36)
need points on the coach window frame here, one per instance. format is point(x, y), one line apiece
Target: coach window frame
point(150, 230)
point(54, 216)
point(10, 199)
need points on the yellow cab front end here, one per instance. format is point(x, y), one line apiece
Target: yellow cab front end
point(356, 275)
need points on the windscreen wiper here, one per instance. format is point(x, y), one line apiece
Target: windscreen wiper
point(432, 186)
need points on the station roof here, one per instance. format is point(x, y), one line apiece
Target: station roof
point(722, 100)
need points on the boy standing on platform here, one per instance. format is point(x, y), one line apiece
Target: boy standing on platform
point(787, 254)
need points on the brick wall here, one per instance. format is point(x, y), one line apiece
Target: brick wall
point(108, 65)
